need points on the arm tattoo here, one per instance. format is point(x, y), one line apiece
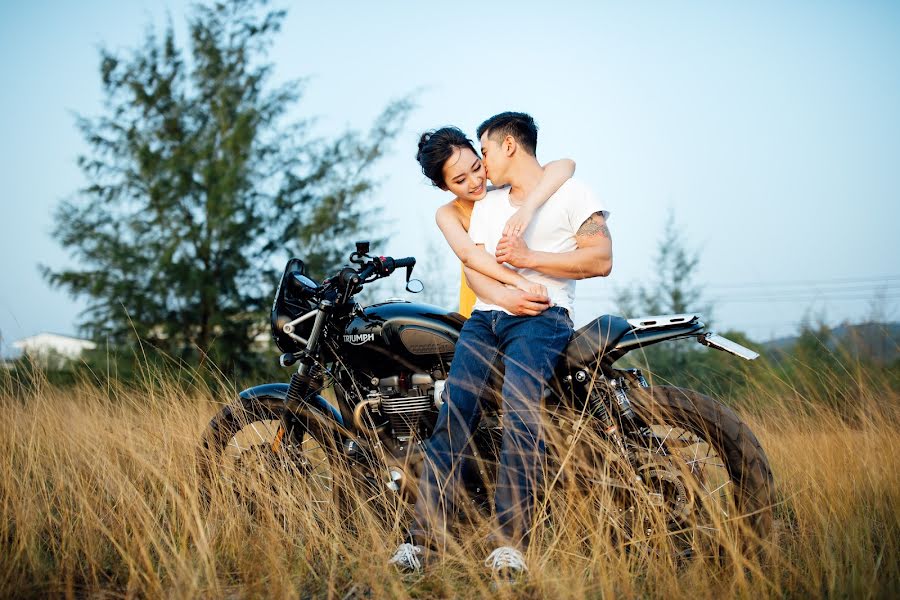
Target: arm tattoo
point(592, 227)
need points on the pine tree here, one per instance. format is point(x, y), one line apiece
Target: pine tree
point(673, 290)
point(198, 187)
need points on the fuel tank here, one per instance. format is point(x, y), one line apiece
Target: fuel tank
point(401, 336)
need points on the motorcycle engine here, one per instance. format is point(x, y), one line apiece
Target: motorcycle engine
point(405, 399)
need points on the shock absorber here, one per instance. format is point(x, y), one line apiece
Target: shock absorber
point(618, 386)
point(597, 403)
point(598, 407)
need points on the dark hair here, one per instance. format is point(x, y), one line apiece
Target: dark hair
point(435, 147)
point(519, 125)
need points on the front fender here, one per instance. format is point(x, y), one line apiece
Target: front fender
point(278, 391)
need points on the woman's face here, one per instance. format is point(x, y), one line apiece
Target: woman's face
point(464, 175)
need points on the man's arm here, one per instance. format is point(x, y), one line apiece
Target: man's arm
point(593, 258)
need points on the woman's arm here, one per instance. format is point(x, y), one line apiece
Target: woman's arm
point(516, 301)
point(477, 258)
point(556, 173)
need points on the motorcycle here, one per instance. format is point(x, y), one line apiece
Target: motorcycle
point(369, 384)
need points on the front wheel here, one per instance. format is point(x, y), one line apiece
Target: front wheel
point(273, 463)
point(248, 455)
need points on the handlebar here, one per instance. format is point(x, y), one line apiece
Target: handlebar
point(405, 262)
point(367, 271)
point(349, 278)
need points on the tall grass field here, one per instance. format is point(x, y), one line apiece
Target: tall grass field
point(99, 497)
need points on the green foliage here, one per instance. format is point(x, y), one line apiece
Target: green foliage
point(827, 370)
point(673, 290)
point(820, 368)
point(199, 187)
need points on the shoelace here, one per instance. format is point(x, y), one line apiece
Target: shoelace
point(407, 555)
point(506, 557)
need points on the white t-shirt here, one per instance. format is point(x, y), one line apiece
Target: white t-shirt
point(552, 229)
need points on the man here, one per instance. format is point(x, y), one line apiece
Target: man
point(566, 240)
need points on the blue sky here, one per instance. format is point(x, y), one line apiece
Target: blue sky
point(769, 129)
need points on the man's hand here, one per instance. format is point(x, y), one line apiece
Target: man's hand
point(513, 250)
point(524, 304)
point(591, 258)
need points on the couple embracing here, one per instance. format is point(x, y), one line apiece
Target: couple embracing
point(522, 246)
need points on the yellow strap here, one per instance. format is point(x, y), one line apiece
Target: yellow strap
point(276, 443)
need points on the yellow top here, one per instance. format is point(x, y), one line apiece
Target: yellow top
point(466, 295)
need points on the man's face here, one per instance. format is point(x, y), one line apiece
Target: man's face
point(495, 159)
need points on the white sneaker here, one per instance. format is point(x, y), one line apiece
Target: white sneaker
point(406, 558)
point(506, 562)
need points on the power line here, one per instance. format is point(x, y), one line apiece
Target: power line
point(812, 298)
point(823, 288)
point(889, 283)
point(799, 297)
point(851, 293)
point(808, 282)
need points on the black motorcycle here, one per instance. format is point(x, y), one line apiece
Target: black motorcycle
point(369, 383)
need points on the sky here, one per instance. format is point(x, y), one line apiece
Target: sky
point(769, 130)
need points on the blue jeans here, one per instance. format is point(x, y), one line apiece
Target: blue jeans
point(529, 348)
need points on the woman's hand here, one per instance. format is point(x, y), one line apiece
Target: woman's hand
point(535, 289)
point(518, 223)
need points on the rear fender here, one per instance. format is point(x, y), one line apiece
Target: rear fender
point(641, 339)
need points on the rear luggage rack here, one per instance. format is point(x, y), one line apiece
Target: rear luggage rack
point(661, 321)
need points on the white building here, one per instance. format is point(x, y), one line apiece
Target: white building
point(45, 345)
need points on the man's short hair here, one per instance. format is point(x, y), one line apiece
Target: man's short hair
point(519, 125)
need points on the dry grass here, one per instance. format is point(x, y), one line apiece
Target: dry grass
point(98, 498)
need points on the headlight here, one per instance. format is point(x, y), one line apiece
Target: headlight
point(293, 299)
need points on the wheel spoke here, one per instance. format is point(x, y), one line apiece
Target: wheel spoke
point(719, 488)
point(703, 460)
point(658, 450)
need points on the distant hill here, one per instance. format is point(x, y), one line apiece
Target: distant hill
point(878, 342)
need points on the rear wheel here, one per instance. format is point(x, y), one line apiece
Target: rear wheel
point(692, 481)
point(710, 442)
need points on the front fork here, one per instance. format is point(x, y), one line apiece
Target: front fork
point(303, 381)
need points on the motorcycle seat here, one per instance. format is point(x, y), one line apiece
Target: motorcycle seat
point(595, 339)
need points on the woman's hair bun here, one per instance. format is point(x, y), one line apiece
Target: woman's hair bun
point(423, 141)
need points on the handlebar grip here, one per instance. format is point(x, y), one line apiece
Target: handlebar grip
point(384, 266)
point(366, 271)
point(347, 277)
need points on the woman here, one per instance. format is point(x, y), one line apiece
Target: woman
point(450, 161)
